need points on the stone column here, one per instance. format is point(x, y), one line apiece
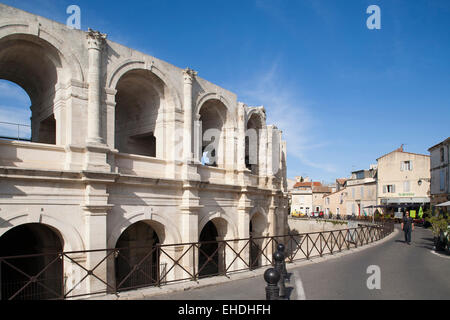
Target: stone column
point(189, 76)
point(262, 157)
point(95, 42)
point(269, 161)
point(241, 137)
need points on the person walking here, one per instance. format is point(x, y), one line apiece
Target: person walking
point(407, 227)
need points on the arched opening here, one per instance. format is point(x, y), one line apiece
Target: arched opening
point(32, 64)
point(256, 230)
point(47, 266)
point(213, 115)
point(252, 143)
point(137, 260)
point(211, 252)
point(138, 122)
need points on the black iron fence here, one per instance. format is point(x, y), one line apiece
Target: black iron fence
point(76, 274)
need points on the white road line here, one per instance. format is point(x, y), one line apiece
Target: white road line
point(299, 286)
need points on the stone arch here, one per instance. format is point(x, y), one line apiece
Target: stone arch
point(258, 218)
point(39, 245)
point(130, 65)
point(254, 139)
point(214, 96)
point(170, 234)
point(143, 98)
point(71, 237)
point(214, 121)
point(232, 232)
point(42, 65)
point(16, 27)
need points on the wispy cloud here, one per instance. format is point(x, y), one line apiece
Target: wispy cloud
point(290, 113)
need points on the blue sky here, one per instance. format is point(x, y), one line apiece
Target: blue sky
point(342, 94)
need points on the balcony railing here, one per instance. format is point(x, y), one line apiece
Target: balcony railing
point(15, 131)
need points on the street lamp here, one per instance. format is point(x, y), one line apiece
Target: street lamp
point(423, 179)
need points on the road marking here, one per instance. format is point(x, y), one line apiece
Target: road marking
point(439, 255)
point(299, 286)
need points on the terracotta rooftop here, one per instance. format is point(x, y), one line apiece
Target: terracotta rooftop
point(307, 184)
point(322, 189)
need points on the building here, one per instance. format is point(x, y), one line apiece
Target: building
point(403, 180)
point(361, 191)
point(440, 171)
point(302, 195)
point(117, 155)
point(336, 203)
point(318, 193)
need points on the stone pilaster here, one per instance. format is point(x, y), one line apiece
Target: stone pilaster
point(243, 211)
point(188, 221)
point(96, 210)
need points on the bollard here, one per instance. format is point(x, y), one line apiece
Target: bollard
point(272, 276)
point(281, 248)
point(279, 257)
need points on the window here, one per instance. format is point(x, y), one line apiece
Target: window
point(360, 175)
point(353, 193)
point(338, 211)
point(389, 188)
point(442, 155)
point(406, 166)
point(406, 186)
point(362, 192)
point(442, 180)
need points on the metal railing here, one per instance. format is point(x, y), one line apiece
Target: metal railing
point(84, 273)
point(22, 135)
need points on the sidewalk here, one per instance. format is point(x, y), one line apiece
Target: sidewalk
point(217, 280)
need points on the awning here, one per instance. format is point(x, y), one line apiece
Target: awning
point(445, 204)
point(405, 201)
point(379, 206)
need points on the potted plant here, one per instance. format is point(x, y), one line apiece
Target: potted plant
point(439, 227)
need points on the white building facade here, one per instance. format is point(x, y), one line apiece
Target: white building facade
point(118, 141)
point(440, 172)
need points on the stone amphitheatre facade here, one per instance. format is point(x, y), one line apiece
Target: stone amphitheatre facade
point(116, 151)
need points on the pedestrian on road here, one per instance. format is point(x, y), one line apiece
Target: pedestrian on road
point(407, 227)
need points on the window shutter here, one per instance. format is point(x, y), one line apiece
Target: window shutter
point(411, 165)
point(384, 189)
point(393, 188)
point(402, 165)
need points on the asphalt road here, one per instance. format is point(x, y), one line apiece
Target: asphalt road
point(406, 272)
